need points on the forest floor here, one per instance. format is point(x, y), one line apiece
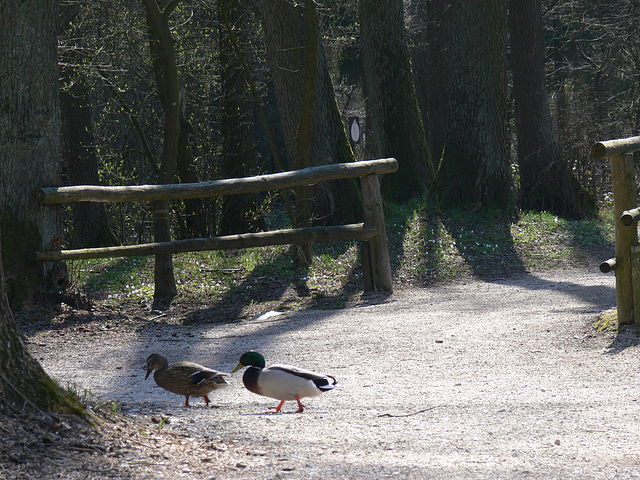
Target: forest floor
point(499, 379)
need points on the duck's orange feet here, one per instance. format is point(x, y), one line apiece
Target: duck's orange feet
point(186, 401)
point(277, 409)
point(300, 406)
point(206, 400)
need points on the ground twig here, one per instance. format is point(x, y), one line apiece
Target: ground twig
point(406, 415)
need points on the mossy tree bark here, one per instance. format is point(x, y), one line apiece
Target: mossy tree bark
point(161, 45)
point(392, 105)
point(468, 103)
point(546, 181)
point(22, 380)
point(287, 40)
point(29, 146)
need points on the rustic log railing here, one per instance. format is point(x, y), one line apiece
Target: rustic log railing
point(375, 252)
point(626, 214)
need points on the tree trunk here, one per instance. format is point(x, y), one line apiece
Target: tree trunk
point(29, 155)
point(392, 106)
point(304, 252)
point(286, 41)
point(194, 222)
point(439, 40)
point(240, 213)
point(29, 146)
point(161, 45)
point(419, 26)
point(546, 181)
point(90, 224)
point(22, 380)
point(469, 103)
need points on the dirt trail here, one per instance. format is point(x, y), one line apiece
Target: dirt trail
point(501, 380)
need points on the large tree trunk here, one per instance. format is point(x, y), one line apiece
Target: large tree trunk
point(29, 155)
point(468, 104)
point(240, 213)
point(90, 224)
point(546, 181)
point(286, 41)
point(392, 106)
point(161, 45)
point(22, 380)
point(29, 146)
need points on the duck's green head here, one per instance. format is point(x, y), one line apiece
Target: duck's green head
point(253, 359)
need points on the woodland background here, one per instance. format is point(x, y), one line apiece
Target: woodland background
point(486, 106)
point(109, 97)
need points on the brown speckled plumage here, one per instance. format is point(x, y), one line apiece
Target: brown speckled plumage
point(184, 378)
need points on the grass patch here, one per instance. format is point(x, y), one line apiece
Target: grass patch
point(426, 246)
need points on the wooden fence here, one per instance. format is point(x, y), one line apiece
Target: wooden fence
point(375, 252)
point(626, 215)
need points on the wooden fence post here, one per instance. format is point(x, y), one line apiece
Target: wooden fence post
point(380, 267)
point(635, 279)
point(624, 198)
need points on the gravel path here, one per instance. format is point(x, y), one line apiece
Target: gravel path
point(502, 380)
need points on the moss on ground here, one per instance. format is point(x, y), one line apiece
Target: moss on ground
point(607, 321)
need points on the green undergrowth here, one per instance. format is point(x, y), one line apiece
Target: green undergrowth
point(606, 321)
point(436, 245)
point(426, 246)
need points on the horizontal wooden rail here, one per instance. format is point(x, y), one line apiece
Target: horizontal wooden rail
point(630, 216)
point(608, 265)
point(273, 181)
point(356, 231)
point(612, 148)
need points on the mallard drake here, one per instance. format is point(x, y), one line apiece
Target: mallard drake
point(184, 378)
point(282, 382)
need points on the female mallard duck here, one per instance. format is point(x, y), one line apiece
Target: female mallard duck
point(184, 378)
point(282, 382)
